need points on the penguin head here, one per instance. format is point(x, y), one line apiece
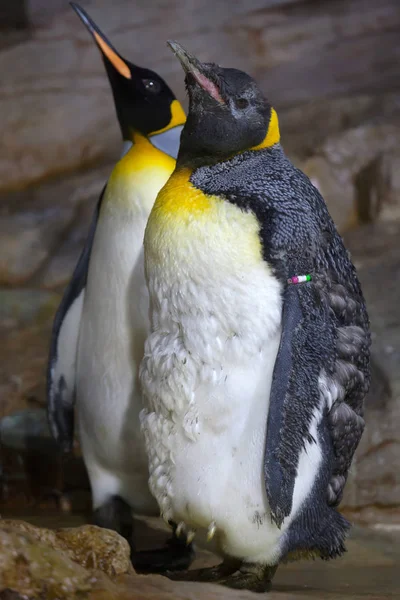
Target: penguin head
point(144, 102)
point(228, 113)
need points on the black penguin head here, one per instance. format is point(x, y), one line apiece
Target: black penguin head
point(227, 112)
point(143, 101)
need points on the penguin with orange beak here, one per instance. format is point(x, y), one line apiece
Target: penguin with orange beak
point(102, 322)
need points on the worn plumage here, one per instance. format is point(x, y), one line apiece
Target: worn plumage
point(299, 236)
point(253, 386)
point(322, 364)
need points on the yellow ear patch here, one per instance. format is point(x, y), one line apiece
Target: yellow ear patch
point(113, 57)
point(178, 117)
point(273, 135)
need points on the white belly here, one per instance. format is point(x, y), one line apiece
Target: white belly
point(225, 464)
point(206, 378)
point(113, 329)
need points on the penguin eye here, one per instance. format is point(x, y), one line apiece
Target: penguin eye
point(241, 102)
point(151, 86)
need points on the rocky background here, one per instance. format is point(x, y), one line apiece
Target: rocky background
point(331, 69)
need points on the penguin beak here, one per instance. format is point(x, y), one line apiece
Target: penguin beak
point(102, 42)
point(199, 71)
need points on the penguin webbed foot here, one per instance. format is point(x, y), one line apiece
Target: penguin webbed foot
point(232, 574)
point(252, 577)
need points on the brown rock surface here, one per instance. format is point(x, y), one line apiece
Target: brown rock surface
point(41, 563)
point(24, 349)
point(60, 565)
point(58, 111)
point(91, 547)
point(373, 489)
point(32, 568)
point(60, 267)
point(27, 239)
point(357, 173)
point(40, 223)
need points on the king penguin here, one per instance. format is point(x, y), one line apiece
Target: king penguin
point(100, 327)
point(257, 363)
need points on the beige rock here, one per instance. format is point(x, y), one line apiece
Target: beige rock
point(91, 547)
point(35, 562)
point(59, 269)
point(27, 239)
point(33, 568)
point(390, 210)
point(307, 126)
point(24, 306)
point(357, 174)
point(373, 489)
point(34, 224)
point(23, 359)
point(335, 188)
point(357, 147)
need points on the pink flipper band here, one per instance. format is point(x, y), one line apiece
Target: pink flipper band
point(299, 279)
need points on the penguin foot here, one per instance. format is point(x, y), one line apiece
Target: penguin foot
point(115, 514)
point(252, 577)
point(176, 556)
point(232, 574)
point(209, 574)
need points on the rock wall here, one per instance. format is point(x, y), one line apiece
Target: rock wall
point(329, 67)
point(326, 66)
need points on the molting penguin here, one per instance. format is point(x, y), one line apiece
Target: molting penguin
point(257, 364)
point(100, 327)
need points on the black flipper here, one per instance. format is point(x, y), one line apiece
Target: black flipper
point(279, 478)
point(319, 367)
point(61, 368)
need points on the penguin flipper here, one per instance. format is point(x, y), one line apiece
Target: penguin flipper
point(61, 367)
point(319, 367)
point(280, 481)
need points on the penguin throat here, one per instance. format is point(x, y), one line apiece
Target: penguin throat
point(126, 146)
point(167, 141)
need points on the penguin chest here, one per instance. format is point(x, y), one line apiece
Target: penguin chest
point(114, 326)
point(115, 318)
point(207, 371)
